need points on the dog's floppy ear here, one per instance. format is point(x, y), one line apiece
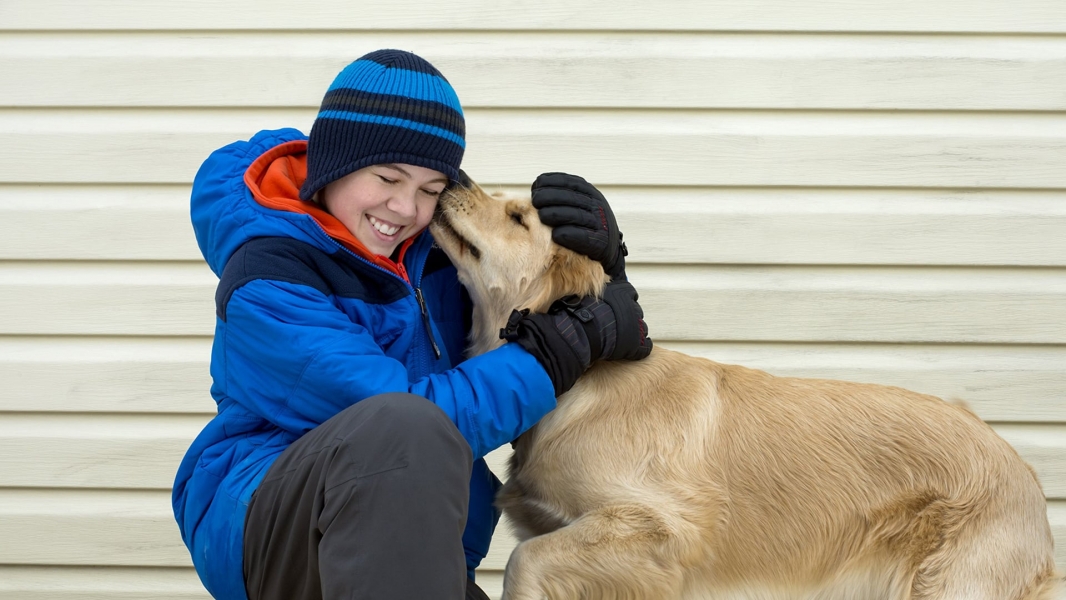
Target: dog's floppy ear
point(569, 273)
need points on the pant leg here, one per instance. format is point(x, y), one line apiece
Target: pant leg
point(370, 504)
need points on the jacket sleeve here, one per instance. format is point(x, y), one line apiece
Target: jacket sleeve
point(296, 360)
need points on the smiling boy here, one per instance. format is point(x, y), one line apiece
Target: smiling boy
point(346, 458)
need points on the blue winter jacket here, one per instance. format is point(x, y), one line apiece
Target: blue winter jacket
point(305, 327)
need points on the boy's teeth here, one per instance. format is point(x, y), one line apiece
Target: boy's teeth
point(383, 228)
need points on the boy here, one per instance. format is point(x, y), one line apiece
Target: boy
point(346, 458)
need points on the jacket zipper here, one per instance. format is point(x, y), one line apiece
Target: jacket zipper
point(425, 321)
point(417, 290)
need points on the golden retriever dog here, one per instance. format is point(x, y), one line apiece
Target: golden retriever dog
point(677, 477)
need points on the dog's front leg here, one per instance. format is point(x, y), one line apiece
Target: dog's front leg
point(615, 553)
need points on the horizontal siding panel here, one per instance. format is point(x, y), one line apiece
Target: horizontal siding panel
point(133, 451)
point(69, 527)
point(868, 227)
point(858, 305)
point(80, 451)
point(1033, 16)
point(111, 375)
point(170, 375)
point(107, 299)
point(662, 225)
point(134, 528)
point(822, 304)
point(18, 582)
point(96, 222)
point(550, 69)
point(697, 148)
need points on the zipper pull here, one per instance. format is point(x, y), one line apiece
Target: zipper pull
point(425, 321)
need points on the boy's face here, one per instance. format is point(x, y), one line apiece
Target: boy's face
point(383, 205)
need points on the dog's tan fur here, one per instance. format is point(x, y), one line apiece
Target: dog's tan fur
point(678, 477)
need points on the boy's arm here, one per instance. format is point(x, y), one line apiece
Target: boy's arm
point(296, 360)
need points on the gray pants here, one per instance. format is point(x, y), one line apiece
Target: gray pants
point(370, 504)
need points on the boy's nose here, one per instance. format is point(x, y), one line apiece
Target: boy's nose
point(403, 204)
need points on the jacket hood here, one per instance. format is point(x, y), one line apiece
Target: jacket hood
point(251, 189)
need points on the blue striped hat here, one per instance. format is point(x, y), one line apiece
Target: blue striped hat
point(389, 106)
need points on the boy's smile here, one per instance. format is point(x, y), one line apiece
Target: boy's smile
point(383, 205)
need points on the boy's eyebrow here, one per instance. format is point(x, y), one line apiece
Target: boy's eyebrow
point(409, 176)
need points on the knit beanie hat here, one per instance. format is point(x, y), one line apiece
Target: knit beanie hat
point(389, 106)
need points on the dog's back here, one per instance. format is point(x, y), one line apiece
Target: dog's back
point(767, 487)
point(676, 477)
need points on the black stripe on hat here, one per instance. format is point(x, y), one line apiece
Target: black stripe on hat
point(421, 111)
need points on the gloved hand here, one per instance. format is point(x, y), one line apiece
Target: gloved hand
point(581, 220)
point(577, 331)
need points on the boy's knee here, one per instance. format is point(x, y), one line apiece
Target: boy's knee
point(416, 425)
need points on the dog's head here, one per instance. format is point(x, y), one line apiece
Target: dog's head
point(504, 254)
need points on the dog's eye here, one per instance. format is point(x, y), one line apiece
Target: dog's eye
point(517, 218)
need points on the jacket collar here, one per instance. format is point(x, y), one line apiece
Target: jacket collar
point(275, 179)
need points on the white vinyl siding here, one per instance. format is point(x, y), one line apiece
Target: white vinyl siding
point(783, 16)
point(873, 191)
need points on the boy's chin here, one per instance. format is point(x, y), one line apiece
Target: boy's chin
point(386, 250)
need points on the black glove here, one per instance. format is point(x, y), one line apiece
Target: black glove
point(581, 220)
point(577, 331)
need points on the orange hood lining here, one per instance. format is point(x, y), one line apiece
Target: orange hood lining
point(275, 179)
